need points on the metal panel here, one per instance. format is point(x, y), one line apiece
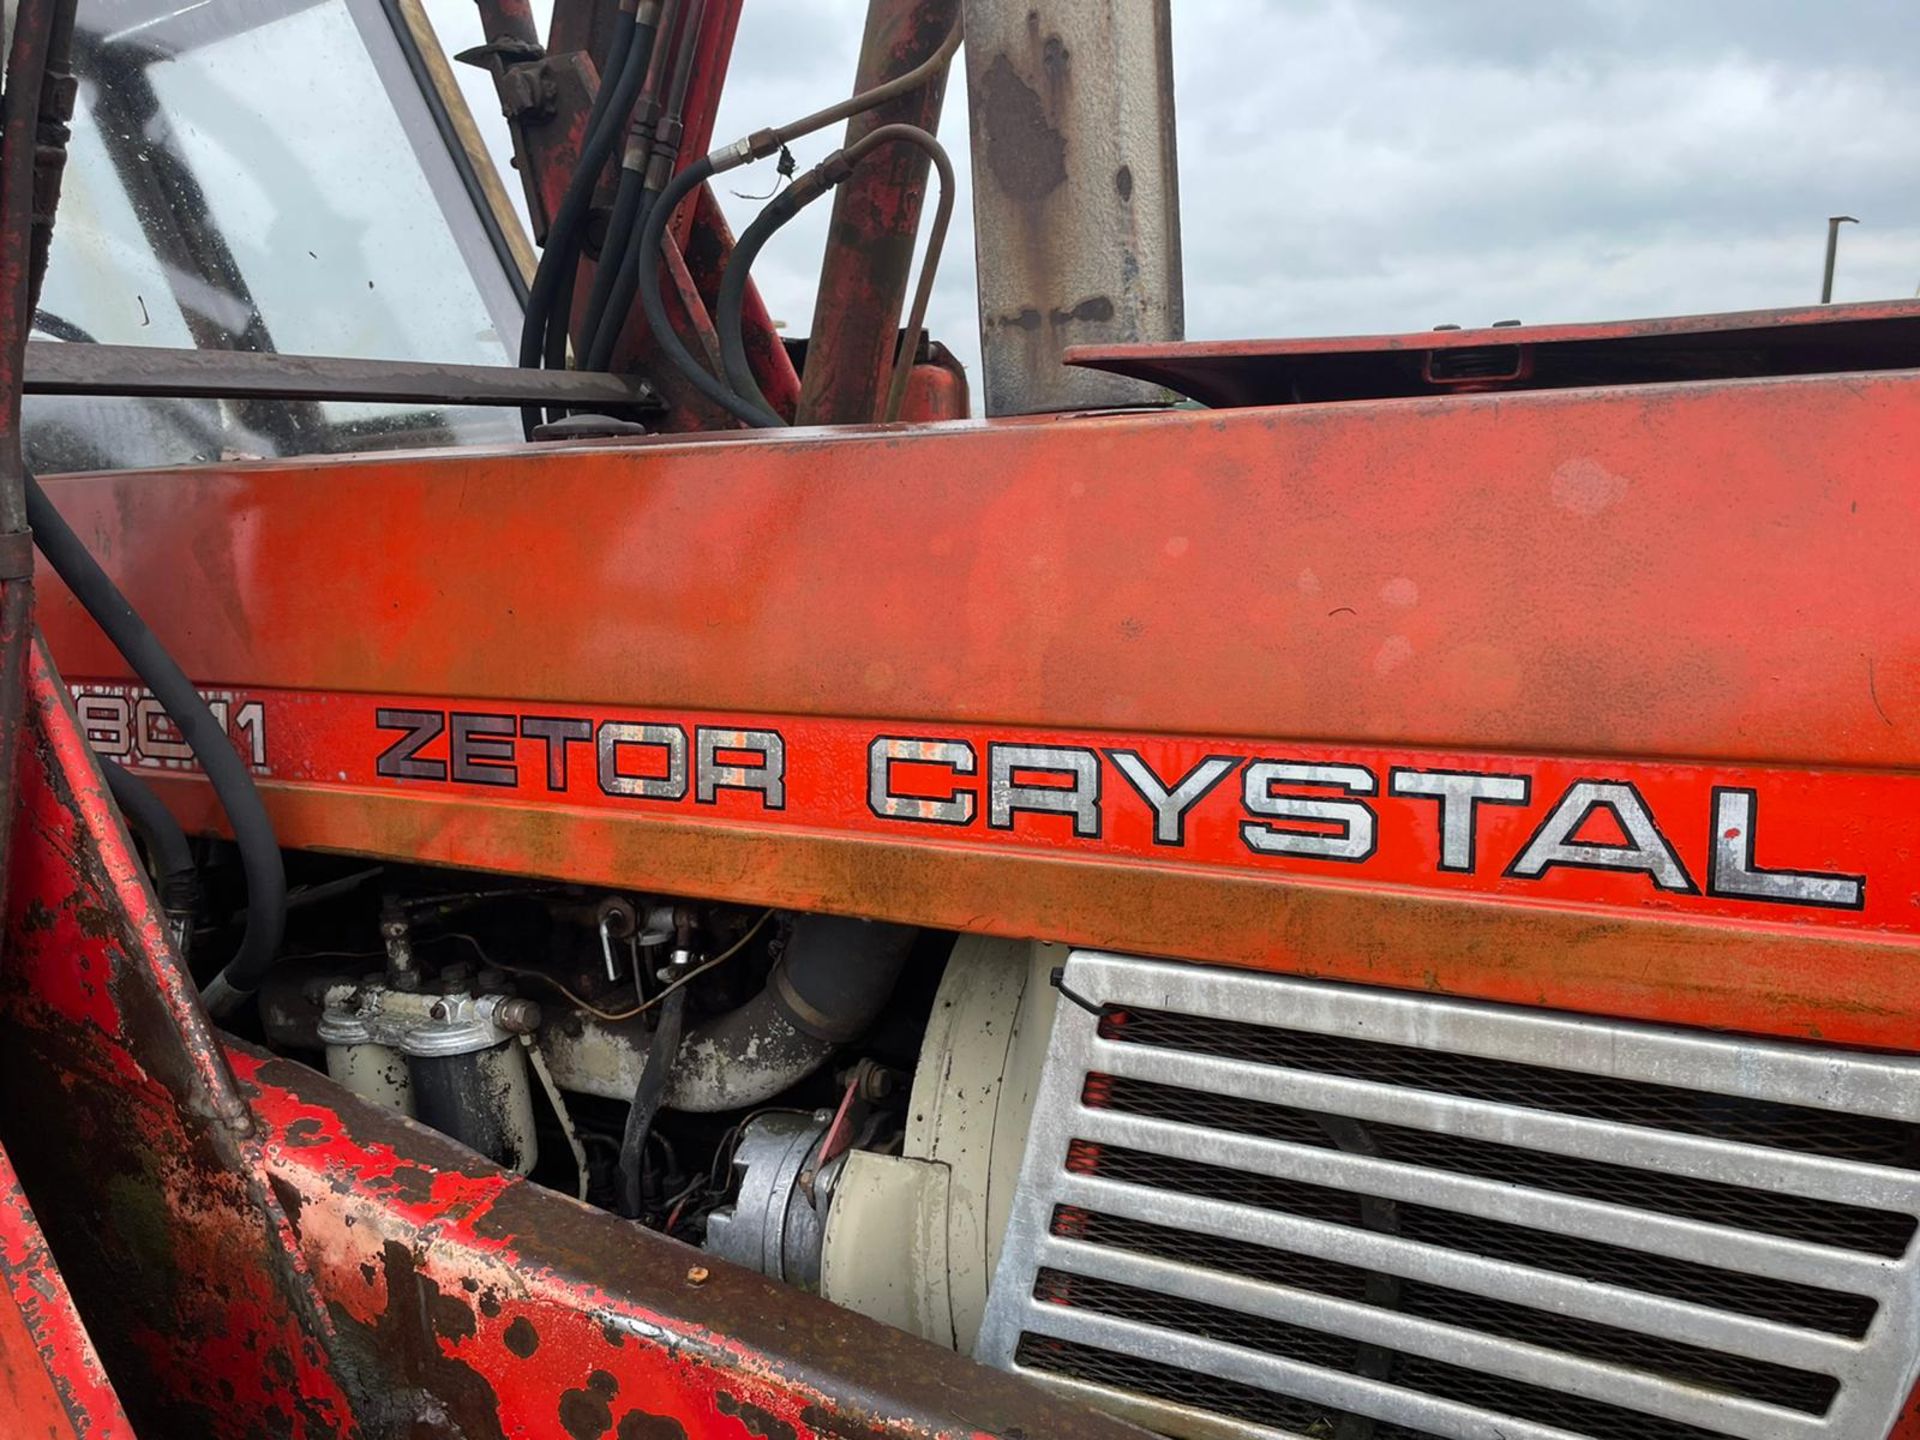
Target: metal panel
point(1076, 196)
point(1363, 584)
point(1177, 1215)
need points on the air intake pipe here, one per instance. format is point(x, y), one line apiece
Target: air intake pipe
point(828, 988)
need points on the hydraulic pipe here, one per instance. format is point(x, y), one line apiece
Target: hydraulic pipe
point(832, 172)
point(863, 277)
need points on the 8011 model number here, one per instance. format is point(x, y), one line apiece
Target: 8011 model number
point(125, 723)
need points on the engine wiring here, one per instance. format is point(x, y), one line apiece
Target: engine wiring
point(645, 1005)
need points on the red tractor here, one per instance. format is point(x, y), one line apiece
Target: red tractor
point(1363, 888)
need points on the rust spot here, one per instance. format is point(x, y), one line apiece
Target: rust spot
point(638, 1425)
point(1027, 155)
point(397, 1360)
point(587, 1414)
point(411, 1183)
point(521, 1338)
point(1123, 182)
point(451, 1317)
point(1095, 309)
point(97, 922)
point(489, 1304)
point(754, 1419)
point(36, 917)
point(612, 1333)
point(302, 1133)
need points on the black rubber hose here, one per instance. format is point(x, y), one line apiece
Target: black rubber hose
point(626, 279)
point(541, 297)
point(732, 304)
point(647, 1098)
point(647, 274)
point(553, 277)
point(838, 973)
point(178, 884)
point(831, 985)
point(232, 781)
point(622, 226)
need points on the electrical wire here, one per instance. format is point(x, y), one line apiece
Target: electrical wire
point(640, 1009)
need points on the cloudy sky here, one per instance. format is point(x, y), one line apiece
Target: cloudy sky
point(1376, 165)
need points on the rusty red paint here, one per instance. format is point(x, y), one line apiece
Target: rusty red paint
point(1558, 574)
point(52, 1385)
point(937, 390)
point(863, 279)
point(316, 1269)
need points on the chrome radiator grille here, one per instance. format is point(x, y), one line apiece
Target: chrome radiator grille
point(1263, 1207)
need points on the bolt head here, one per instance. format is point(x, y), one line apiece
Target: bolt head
point(697, 1274)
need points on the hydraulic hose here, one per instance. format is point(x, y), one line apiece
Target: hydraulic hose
point(232, 781)
point(626, 279)
point(620, 229)
point(748, 148)
point(623, 223)
point(550, 296)
point(652, 241)
point(655, 165)
point(834, 170)
point(728, 316)
point(178, 881)
point(647, 1098)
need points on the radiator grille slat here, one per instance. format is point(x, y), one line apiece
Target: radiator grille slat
point(1389, 1254)
point(1775, 1384)
point(1761, 1275)
point(1628, 1147)
point(1280, 1207)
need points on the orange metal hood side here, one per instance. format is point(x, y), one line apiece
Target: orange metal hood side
point(1692, 596)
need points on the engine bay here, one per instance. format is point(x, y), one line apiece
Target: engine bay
point(774, 1087)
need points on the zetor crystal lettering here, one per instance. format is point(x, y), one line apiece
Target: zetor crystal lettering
point(640, 761)
point(1308, 813)
point(1317, 811)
